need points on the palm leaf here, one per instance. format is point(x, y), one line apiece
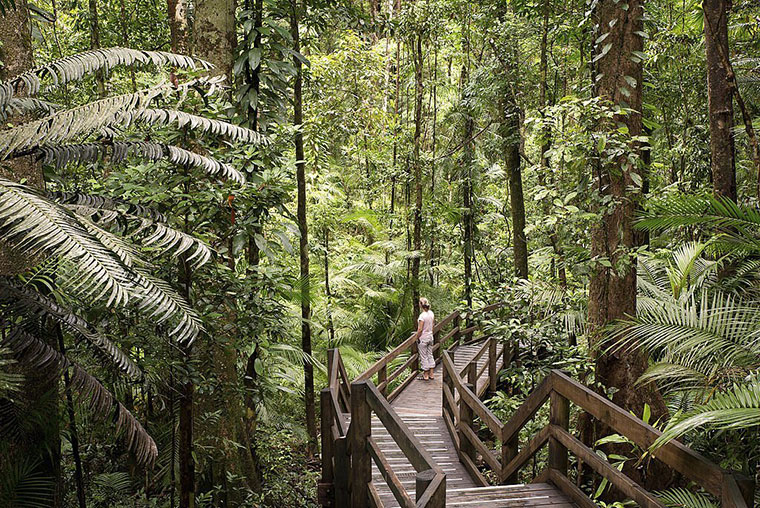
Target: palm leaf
point(75, 67)
point(37, 354)
point(61, 155)
point(684, 498)
point(736, 408)
point(34, 226)
point(25, 302)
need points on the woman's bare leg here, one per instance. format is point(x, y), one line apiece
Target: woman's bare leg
point(431, 375)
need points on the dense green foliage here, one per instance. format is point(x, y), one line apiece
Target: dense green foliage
point(163, 251)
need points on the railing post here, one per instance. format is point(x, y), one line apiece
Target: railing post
point(465, 420)
point(326, 483)
point(415, 365)
point(422, 481)
point(560, 416)
point(382, 377)
point(492, 364)
point(509, 452)
point(342, 468)
point(457, 326)
point(436, 340)
point(359, 432)
point(472, 375)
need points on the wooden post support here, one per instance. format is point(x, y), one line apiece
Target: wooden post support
point(509, 451)
point(472, 375)
point(414, 350)
point(422, 482)
point(458, 327)
point(342, 471)
point(327, 442)
point(465, 420)
point(437, 340)
point(382, 377)
point(559, 416)
point(359, 432)
point(492, 364)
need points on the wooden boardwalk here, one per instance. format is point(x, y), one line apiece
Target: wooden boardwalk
point(419, 406)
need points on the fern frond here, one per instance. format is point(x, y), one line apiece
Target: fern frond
point(37, 354)
point(61, 155)
point(75, 67)
point(35, 226)
point(736, 408)
point(23, 301)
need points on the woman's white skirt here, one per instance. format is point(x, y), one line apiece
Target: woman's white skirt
point(425, 349)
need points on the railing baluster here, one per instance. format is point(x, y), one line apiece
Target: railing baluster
point(472, 375)
point(327, 441)
point(559, 416)
point(465, 420)
point(359, 432)
point(492, 364)
point(382, 380)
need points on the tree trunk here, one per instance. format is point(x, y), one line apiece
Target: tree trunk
point(214, 37)
point(311, 425)
point(516, 197)
point(417, 234)
point(328, 294)
point(187, 391)
point(178, 26)
point(95, 44)
point(612, 290)
point(720, 94)
point(468, 158)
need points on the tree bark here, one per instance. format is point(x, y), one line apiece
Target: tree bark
point(95, 44)
point(417, 234)
point(468, 158)
point(311, 425)
point(214, 37)
point(178, 26)
point(187, 392)
point(720, 94)
point(516, 196)
point(612, 289)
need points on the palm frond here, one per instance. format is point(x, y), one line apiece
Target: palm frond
point(37, 354)
point(34, 226)
point(157, 299)
point(75, 67)
point(181, 119)
point(736, 408)
point(61, 155)
point(22, 484)
point(683, 498)
point(27, 105)
point(23, 301)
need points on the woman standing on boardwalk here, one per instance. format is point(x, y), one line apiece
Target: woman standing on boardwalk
point(425, 339)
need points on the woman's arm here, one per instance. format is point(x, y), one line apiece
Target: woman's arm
point(418, 333)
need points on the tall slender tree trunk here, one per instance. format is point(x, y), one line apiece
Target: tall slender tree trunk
point(720, 94)
point(74, 435)
point(468, 159)
point(612, 289)
point(95, 44)
point(417, 235)
point(308, 369)
point(328, 293)
point(512, 162)
point(186, 395)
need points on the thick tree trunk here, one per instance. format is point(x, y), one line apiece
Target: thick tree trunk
point(720, 94)
point(612, 289)
point(311, 425)
point(417, 234)
point(214, 37)
point(178, 25)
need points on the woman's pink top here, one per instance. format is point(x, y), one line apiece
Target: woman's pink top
point(428, 319)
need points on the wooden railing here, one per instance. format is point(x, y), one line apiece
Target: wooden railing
point(447, 332)
point(461, 405)
point(347, 443)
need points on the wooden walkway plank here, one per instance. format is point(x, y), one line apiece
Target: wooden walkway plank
point(419, 406)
